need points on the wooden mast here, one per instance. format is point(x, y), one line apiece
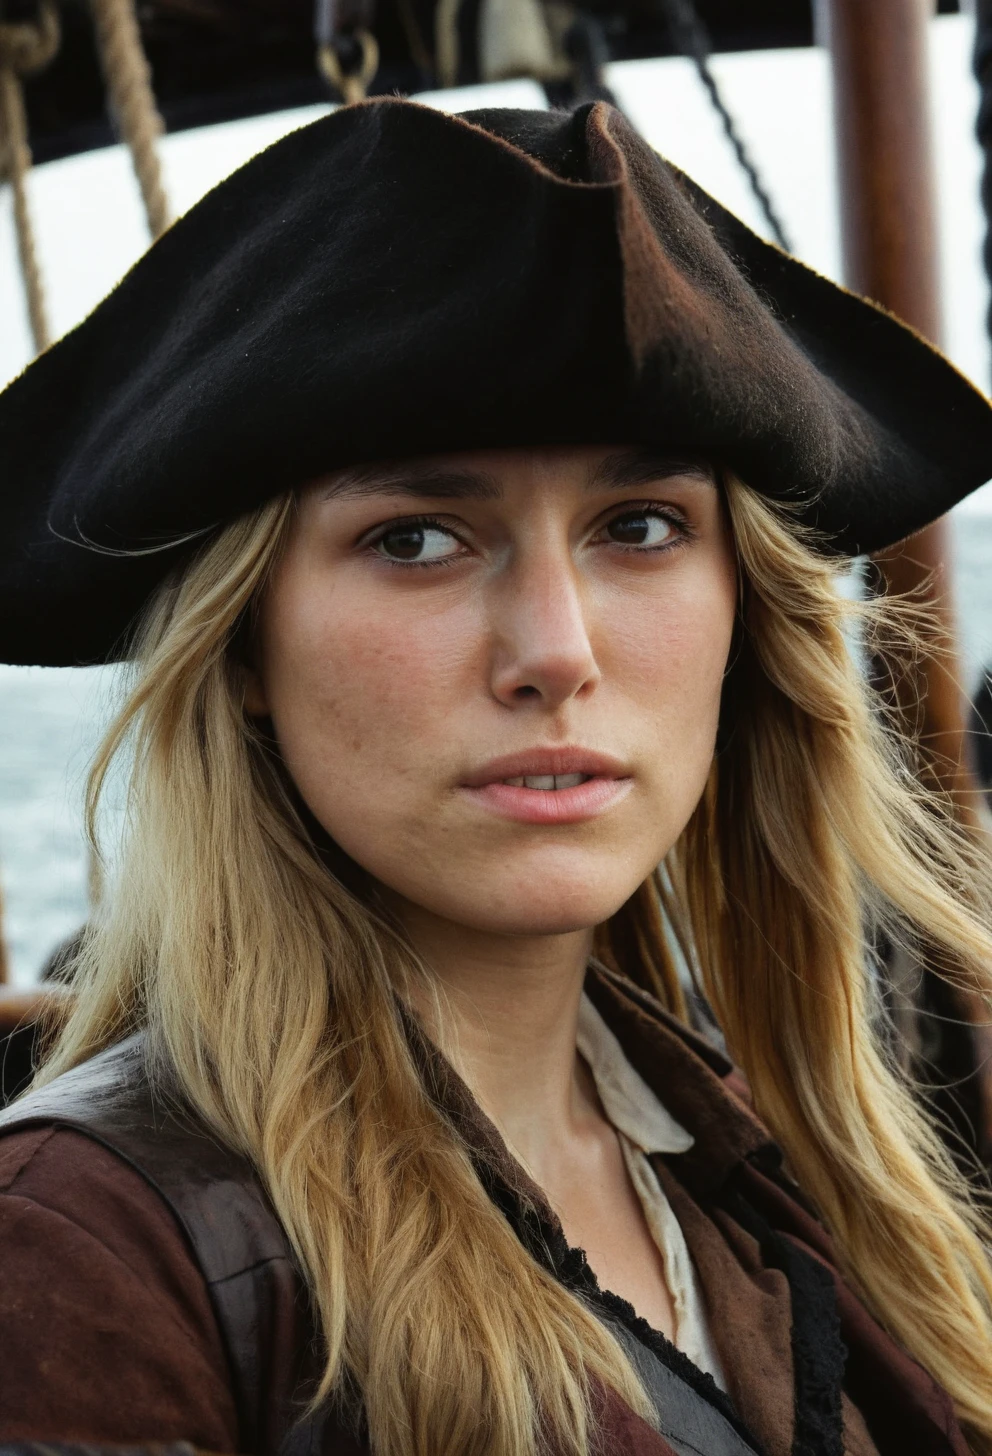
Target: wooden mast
point(888, 216)
point(878, 52)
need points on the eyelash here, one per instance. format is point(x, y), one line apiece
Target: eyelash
point(646, 508)
point(669, 514)
point(427, 522)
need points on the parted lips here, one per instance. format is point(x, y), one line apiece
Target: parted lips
point(391, 281)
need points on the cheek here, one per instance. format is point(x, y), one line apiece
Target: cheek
point(373, 701)
point(358, 695)
point(673, 655)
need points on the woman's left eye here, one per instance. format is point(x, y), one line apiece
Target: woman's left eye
point(417, 542)
point(641, 528)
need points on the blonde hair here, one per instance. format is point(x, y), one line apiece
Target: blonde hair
point(272, 988)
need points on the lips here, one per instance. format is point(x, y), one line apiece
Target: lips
point(574, 765)
point(549, 786)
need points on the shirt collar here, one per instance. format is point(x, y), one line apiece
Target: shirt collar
point(698, 1085)
point(627, 1100)
point(687, 1076)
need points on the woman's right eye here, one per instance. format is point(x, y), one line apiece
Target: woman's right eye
point(419, 543)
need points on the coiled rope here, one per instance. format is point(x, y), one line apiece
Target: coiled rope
point(132, 100)
point(24, 48)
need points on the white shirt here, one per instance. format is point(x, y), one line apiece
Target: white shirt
point(645, 1126)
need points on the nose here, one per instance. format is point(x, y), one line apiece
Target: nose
point(542, 650)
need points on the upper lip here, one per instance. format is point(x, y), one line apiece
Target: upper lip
point(539, 762)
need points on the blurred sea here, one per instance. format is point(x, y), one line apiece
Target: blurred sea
point(51, 720)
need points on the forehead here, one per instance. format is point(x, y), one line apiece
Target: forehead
point(491, 474)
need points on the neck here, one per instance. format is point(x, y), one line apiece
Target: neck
point(510, 1007)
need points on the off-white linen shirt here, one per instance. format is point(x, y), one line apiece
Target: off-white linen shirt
point(645, 1126)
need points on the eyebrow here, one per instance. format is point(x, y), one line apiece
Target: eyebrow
point(436, 481)
point(619, 471)
point(626, 468)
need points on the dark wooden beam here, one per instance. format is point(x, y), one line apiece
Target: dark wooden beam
point(887, 192)
point(878, 51)
point(888, 207)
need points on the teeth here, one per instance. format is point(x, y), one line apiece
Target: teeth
point(548, 781)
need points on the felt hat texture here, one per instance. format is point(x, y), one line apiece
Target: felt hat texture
point(391, 281)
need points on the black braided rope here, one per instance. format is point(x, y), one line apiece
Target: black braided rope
point(690, 39)
point(587, 48)
point(983, 126)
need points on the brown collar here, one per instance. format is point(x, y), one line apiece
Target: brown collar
point(693, 1080)
point(689, 1076)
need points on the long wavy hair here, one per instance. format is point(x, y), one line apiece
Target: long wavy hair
point(271, 986)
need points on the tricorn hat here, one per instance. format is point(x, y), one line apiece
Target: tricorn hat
point(390, 281)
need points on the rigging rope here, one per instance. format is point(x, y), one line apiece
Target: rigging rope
point(983, 125)
point(24, 48)
point(689, 35)
point(587, 48)
point(132, 100)
point(447, 45)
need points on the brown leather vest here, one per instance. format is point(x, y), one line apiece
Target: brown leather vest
point(238, 1242)
point(247, 1263)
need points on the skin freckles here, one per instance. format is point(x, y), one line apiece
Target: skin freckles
point(389, 683)
point(545, 622)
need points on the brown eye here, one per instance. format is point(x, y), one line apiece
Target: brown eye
point(640, 528)
point(413, 541)
point(404, 543)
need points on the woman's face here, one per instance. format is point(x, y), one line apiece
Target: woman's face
point(495, 676)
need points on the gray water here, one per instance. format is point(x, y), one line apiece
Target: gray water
point(51, 720)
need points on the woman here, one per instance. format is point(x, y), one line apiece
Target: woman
point(418, 451)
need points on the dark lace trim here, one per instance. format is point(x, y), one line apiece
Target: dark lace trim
point(677, 1360)
point(548, 1245)
point(819, 1355)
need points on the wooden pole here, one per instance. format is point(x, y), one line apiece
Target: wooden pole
point(878, 51)
point(888, 209)
point(889, 222)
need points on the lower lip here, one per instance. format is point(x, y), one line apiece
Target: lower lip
point(551, 806)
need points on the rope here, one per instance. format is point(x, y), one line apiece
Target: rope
point(133, 102)
point(419, 54)
point(983, 126)
point(13, 128)
point(586, 46)
point(24, 48)
point(350, 85)
point(447, 46)
point(689, 35)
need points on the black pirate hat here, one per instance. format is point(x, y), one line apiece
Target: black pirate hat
point(392, 281)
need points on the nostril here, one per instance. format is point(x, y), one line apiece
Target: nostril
point(526, 692)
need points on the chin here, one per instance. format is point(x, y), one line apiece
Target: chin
point(541, 906)
point(525, 923)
